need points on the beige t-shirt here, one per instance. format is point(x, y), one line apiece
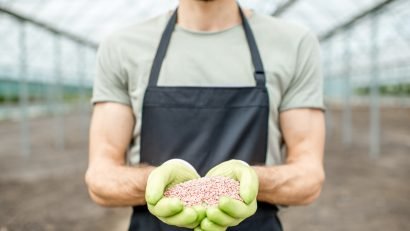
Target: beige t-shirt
point(290, 54)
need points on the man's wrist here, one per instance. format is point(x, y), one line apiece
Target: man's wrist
point(147, 171)
point(260, 170)
point(267, 176)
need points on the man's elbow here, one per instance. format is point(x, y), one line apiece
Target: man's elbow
point(98, 200)
point(317, 181)
point(94, 188)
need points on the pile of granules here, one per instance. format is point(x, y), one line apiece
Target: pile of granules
point(204, 191)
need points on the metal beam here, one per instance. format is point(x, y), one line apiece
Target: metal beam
point(58, 95)
point(23, 92)
point(347, 106)
point(355, 19)
point(284, 7)
point(374, 141)
point(49, 28)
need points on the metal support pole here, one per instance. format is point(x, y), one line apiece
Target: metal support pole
point(23, 92)
point(82, 64)
point(58, 101)
point(7, 90)
point(347, 107)
point(401, 82)
point(374, 89)
point(49, 86)
point(328, 77)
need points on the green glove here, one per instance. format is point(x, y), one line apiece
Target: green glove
point(171, 210)
point(231, 212)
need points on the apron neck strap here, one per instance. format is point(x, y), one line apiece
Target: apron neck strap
point(259, 73)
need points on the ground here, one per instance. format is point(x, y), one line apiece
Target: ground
point(46, 190)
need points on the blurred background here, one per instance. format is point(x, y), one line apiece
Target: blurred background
point(47, 57)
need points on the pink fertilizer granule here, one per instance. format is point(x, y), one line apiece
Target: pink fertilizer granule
point(204, 191)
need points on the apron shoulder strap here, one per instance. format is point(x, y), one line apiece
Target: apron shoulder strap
point(256, 58)
point(259, 73)
point(162, 50)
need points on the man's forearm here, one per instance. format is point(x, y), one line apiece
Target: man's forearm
point(110, 185)
point(291, 184)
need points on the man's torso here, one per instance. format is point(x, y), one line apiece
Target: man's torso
point(211, 59)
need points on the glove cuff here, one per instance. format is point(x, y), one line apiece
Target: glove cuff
point(184, 162)
point(242, 162)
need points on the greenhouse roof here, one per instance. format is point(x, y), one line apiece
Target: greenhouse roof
point(93, 20)
point(354, 30)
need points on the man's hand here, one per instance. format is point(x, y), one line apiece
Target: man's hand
point(231, 212)
point(171, 210)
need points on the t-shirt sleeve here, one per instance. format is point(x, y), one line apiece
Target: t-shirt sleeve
point(306, 87)
point(110, 82)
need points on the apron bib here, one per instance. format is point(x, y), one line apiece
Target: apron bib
point(205, 126)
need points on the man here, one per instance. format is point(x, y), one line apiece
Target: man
point(223, 89)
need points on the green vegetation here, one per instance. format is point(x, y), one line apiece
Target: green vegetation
point(387, 90)
point(38, 92)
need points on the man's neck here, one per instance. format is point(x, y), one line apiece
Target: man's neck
point(209, 16)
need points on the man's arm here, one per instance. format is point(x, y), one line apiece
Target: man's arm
point(299, 180)
point(110, 182)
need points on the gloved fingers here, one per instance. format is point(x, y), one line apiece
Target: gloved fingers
point(201, 213)
point(184, 174)
point(192, 225)
point(219, 217)
point(180, 173)
point(249, 184)
point(222, 169)
point(183, 162)
point(166, 207)
point(168, 174)
point(156, 183)
point(183, 219)
point(208, 225)
point(237, 209)
point(198, 229)
point(185, 169)
point(237, 222)
point(230, 168)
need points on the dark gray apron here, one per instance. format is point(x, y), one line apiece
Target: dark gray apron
point(205, 126)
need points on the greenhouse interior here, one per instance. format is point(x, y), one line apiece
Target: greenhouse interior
point(48, 52)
